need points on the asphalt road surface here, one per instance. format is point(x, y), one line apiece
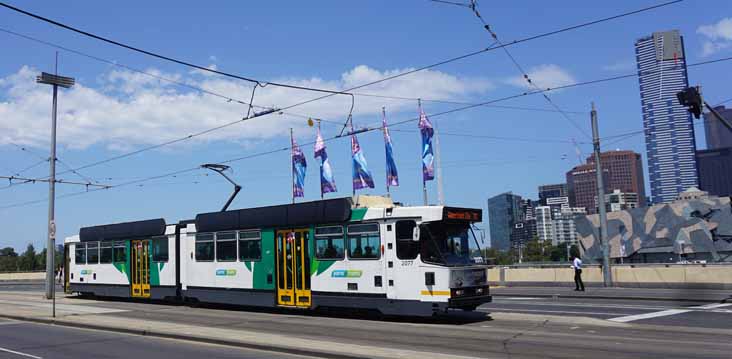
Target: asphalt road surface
point(511, 327)
point(21, 340)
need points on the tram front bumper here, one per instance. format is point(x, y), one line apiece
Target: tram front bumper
point(469, 297)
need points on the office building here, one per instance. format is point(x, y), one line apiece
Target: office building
point(715, 171)
point(582, 185)
point(625, 172)
point(669, 132)
point(504, 211)
point(717, 134)
point(544, 225)
point(551, 191)
point(621, 201)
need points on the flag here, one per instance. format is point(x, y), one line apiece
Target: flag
point(425, 127)
point(392, 177)
point(361, 174)
point(327, 182)
point(299, 166)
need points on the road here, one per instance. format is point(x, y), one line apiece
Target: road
point(19, 340)
point(511, 327)
point(671, 313)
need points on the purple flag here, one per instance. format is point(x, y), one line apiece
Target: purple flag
point(425, 128)
point(299, 166)
point(361, 175)
point(392, 177)
point(327, 182)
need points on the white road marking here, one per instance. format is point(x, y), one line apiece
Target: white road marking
point(663, 313)
point(19, 353)
point(511, 310)
point(520, 298)
point(713, 306)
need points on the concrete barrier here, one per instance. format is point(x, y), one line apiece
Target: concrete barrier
point(22, 276)
point(686, 276)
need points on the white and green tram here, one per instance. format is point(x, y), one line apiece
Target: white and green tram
point(371, 254)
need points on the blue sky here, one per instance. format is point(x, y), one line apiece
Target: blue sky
point(331, 44)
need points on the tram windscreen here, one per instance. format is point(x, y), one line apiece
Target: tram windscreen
point(446, 243)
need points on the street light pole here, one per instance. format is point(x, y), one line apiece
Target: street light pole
point(65, 82)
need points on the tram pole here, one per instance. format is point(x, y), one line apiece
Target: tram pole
point(606, 273)
point(292, 166)
point(65, 82)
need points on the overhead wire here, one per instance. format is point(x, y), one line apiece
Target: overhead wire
point(474, 53)
point(473, 7)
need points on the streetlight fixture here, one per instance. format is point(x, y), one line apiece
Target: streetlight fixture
point(66, 82)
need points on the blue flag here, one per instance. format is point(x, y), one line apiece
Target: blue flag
point(425, 128)
point(327, 182)
point(361, 175)
point(299, 166)
point(392, 177)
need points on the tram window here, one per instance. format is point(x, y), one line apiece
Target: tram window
point(364, 241)
point(406, 247)
point(120, 252)
point(329, 243)
point(250, 246)
point(204, 246)
point(226, 246)
point(92, 253)
point(160, 249)
point(105, 252)
point(81, 253)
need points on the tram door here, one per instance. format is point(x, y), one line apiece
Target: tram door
point(140, 271)
point(293, 268)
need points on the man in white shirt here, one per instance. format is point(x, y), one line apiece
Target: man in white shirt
point(577, 265)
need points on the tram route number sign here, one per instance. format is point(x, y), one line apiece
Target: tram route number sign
point(463, 214)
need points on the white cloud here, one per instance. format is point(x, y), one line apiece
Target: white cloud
point(620, 66)
point(544, 76)
point(130, 109)
point(718, 36)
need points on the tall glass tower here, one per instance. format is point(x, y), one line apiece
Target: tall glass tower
point(669, 131)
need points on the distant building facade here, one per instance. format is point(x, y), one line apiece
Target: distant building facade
point(717, 134)
point(669, 131)
point(582, 185)
point(620, 201)
point(625, 172)
point(504, 211)
point(715, 170)
point(552, 191)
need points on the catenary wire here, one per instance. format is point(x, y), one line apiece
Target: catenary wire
point(492, 47)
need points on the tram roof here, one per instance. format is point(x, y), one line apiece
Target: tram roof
point(126, 230)
point(296, 214)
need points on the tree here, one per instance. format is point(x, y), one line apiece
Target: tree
point(8, 260)
point(27, 260)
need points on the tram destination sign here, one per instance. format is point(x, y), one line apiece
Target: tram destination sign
point(463, 214)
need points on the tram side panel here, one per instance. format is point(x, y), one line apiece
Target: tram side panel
point(231, 267)
point(105, 276)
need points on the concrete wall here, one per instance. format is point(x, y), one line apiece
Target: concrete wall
point(641, 276)
point(16, 276)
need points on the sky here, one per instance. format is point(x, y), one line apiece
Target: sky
point(335, 45)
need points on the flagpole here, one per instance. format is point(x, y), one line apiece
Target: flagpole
point(292, 165)
point(383, 130)
point(322, 196)
point(424, 183)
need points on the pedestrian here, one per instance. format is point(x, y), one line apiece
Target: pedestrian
point(577, 265)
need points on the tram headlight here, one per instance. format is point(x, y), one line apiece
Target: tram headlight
point(459, 292)
point(479, 291)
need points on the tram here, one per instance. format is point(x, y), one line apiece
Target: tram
point(363, 252)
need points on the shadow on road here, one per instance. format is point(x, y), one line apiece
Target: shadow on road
point(453, 317)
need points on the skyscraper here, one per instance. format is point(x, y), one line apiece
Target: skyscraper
point(625, 173)
point(582, 184)
point(551, 191)
point(718, 136)
point(669, 132)
point(504, 211)
point(715, 171)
